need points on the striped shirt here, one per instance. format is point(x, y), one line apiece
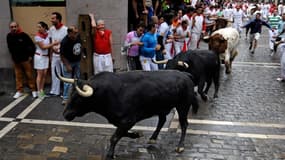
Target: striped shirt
point(273, 21)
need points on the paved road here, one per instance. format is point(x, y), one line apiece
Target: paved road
point(246, 122)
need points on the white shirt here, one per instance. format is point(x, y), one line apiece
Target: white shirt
point(280, 9)
point(238, 15)
point(183, 33)
point(163, 30)
point(45, 42)
point(57, 35)
point(197, 28)
point(189, 21)
point(228, 14)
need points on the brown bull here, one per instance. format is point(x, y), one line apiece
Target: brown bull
point(224, 42)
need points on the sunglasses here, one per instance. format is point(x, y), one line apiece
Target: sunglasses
point(13, 26)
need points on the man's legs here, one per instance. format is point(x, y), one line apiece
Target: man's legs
point(271, 39)
point(66, 86)
point(74, 74)
point(253, 41)
point(19, 77)
point(153, 66)
point(178, 47)
point(145, 63)
point(55, 84)
point(251, 38)
point(131, 63)
point(194, 41)
point(108, 63)
point(102, 63)
point(27, 65)
point(97, 68)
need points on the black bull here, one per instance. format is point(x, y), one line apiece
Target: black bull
point(203, 65)
point(128, 97)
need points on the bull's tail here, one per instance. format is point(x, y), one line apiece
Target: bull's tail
point(195, 104)
point(193, 100)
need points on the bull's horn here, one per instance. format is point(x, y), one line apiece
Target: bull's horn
point(160, 62)
point(67, 80)
point(206, 37)
point(86, 92)
point(183, 64)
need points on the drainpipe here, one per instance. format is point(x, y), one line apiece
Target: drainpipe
point(11, 12)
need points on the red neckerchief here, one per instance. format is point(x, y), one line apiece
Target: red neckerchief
point(189, 16)
point(58, 26)
point(18, 31)
point(101, 32)
point(42, 35)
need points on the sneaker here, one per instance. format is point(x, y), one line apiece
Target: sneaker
point(42, 94)
point(17, 95)
point(51, 95)
point(64, 102)
point(252, 51)
point(280, 80)
point(35, 94)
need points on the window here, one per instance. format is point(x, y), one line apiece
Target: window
point(38, 2)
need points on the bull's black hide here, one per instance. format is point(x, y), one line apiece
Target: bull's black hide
point(126, 98)
point(203, 65)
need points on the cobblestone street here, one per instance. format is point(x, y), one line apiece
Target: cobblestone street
point(246, 122)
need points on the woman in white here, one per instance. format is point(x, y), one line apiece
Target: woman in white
point(41, 57)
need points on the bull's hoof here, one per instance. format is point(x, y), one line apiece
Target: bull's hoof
point(151, 141)
point(228, 71)
point(194, 110)
point(204, 98)
point(179, 149)
point(110, 157)
point(135, 135)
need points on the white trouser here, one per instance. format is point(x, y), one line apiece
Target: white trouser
point(187, 41)
point(271, 39)
point(168, 54)
point(237, 26)
point(178, 47)
point(147, 64)
point(102, 62)
point(195, 37)
point(281, 53)
point(55, 83)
